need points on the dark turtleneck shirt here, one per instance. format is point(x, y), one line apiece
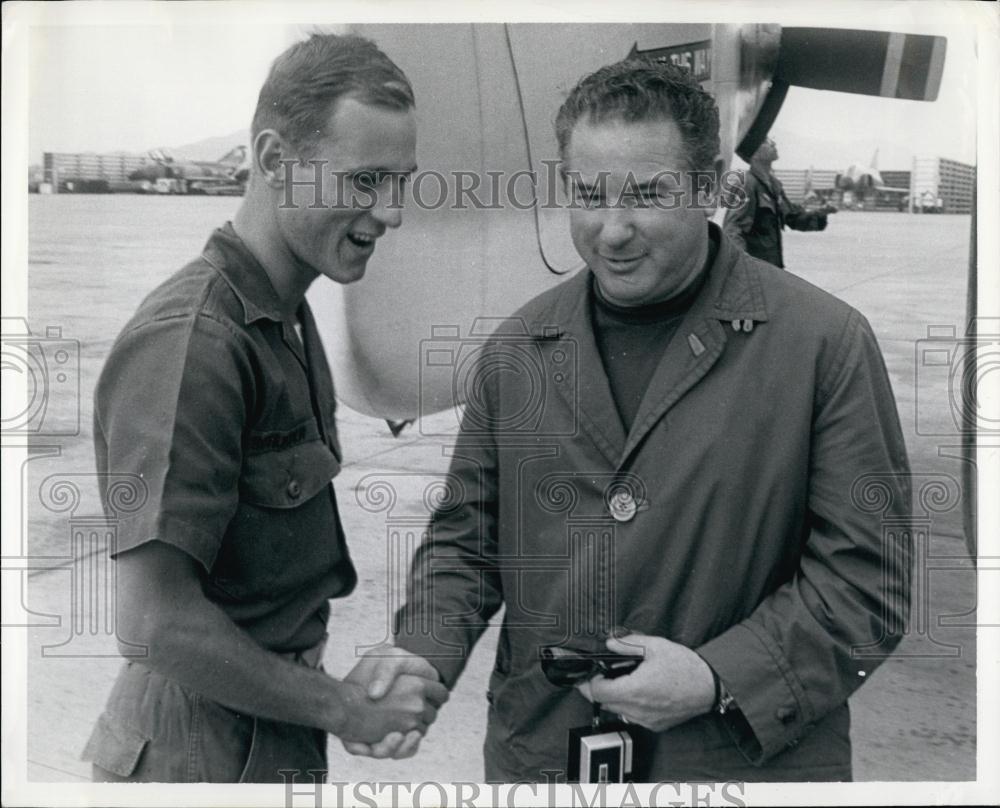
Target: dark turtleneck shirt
point(632, 339)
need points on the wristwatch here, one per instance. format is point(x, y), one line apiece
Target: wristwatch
point(725, 701)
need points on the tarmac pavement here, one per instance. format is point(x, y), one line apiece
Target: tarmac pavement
point(916, 719)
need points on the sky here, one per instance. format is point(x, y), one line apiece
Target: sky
point(833, 130)
point(133, 88)
point(136, 87)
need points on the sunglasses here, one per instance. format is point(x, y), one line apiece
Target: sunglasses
point(566, 668)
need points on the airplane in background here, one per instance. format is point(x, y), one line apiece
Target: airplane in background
point(860, 185)
point(165, 174)
point(402, 340)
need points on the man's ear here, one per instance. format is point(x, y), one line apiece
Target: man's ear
point(270, 151)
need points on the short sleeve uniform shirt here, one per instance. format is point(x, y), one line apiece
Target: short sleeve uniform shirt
point(224, 417)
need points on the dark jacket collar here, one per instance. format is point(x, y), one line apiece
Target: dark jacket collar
point(230, 256)
point(766, 177)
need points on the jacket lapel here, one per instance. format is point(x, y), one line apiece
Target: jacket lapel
point(732, 293)
point(584, 387)
point(690, 354)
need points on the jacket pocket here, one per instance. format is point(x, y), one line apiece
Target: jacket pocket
point(115, 747)
point(506, 704)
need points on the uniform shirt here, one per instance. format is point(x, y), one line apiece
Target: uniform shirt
point(225, 419)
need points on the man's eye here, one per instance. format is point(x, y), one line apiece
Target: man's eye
point(590, 199)
point(640, 199)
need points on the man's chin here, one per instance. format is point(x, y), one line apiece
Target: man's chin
point(346, 273)
point(621, 294)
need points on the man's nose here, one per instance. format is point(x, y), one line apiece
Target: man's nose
point(388, 208)
point(616, 227)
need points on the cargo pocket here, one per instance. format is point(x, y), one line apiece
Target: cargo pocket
point(222, 743)
point(114, 747)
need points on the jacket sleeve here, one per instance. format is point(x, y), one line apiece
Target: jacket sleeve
point(454, 585)
point(739, 220)
point(798, 218)
point(816, 638)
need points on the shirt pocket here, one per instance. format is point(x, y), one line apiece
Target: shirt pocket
point(287, 476)
point(282, 533)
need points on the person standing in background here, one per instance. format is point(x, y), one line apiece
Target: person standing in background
point(757, 224)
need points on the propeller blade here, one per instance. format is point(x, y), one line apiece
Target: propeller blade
point(881, 63)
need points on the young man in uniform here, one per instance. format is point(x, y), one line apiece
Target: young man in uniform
point(218, 397)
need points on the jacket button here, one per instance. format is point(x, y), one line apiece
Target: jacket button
point(294, 489)
point(622, 506)
point(786, 715)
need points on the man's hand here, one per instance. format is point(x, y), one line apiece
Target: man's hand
point(409, 706)
point(672, 685)
point(378, 670)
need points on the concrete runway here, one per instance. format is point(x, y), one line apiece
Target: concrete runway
point(92, 258)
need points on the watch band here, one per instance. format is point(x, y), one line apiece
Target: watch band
point(724, 700)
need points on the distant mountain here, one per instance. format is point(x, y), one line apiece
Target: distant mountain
point(211, 148)
point(796, 151)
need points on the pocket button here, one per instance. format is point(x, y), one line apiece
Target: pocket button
point(294, 489)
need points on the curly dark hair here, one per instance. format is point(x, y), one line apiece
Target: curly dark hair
point(644, 89)
point(311, 76)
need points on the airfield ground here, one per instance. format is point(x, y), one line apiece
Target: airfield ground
point(92, 258)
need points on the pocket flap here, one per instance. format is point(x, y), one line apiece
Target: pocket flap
point(114, 746)
point(289, 477)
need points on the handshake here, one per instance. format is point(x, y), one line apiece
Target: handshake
point(391, 699)
point(392, 696)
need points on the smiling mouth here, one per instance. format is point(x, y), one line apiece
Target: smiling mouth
point(622, 262)
point(362, 241)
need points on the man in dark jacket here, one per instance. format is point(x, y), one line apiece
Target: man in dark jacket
point(702, 467)
point(756, 225)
